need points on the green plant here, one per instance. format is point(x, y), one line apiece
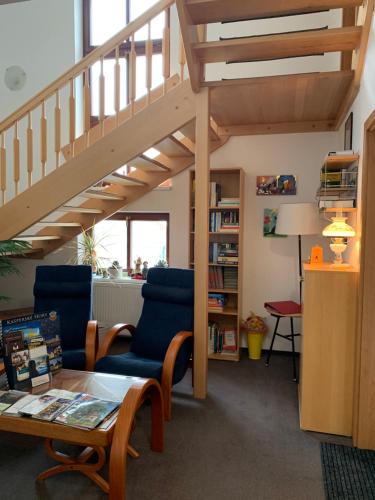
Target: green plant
point(162, 263)
point(88, 247)
point(9, 248)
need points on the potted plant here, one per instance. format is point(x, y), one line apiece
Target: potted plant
point(115, 270)
point(256, 328)
point(10, 248)
point(88, 247)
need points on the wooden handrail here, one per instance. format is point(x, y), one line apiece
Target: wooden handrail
point(87, 61)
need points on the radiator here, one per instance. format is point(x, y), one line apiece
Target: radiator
point(116, 302)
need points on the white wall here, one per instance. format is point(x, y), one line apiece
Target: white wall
point(362, 108)
point(270, 264)
point(39, 36)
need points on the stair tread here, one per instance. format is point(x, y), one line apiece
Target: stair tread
point(279, 46)
point(145, 163)
point(82, 210)
point(124, 180)
point(101, 195)
point(189, 131)
point(173, 148)
point(35, 237)
point(213, 11)
point(59, 224)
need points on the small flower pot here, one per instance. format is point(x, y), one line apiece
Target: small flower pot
point(254, 343)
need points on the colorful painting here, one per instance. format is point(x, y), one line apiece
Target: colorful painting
point(276, 185)
point(269, 223)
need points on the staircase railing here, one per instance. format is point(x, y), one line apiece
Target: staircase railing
point(32, 138)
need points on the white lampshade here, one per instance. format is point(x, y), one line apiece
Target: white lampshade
point(298, 219)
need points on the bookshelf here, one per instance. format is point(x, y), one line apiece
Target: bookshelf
point(225, 259)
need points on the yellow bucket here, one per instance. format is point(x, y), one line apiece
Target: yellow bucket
point(254, 343)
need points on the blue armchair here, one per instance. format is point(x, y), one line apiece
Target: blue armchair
point(162, 342)
point(68, 290)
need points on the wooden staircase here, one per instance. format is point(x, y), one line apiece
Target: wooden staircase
point(303, 103)
point(88, 183)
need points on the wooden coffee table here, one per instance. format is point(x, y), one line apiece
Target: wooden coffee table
point(114, 433)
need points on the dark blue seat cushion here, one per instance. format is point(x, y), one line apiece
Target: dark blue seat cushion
point(74, 359)
point(67, 290)
point(130, 364)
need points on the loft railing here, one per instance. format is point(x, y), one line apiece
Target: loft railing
point(32, 138)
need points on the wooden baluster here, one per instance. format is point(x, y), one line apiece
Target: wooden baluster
point(3, 169)
point(101, 95)
point(87, 106)
point(43, 139)
point(149, 64)
point(57, 128)
point(166, 49)
point(117, 84)
point(182, 59)
point(72, 117)
point(30, 150)
point(16, 159)
point(132, 75)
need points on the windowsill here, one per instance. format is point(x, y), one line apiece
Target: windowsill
point(124, 281)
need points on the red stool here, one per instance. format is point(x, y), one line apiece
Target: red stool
point(284, 309)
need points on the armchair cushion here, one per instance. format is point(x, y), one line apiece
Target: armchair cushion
point(67, 290)
point(130, 364)
point(74, 359)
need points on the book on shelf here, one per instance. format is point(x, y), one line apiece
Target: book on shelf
point(227, 259)
point(219, 250)
point(221, 338)
point(230, 278)
point(215, 192)
point(215, 277)
point(231, 202)
point(223, 221)
point(32, 348)
point(216, 302)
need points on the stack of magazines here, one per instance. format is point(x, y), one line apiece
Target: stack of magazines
point(64, 407)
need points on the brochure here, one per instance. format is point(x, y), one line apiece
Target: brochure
point(32, 348)
point(8, 399)
point(87, 412)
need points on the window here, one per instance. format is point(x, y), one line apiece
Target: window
point(126, 236)
point(103, 19)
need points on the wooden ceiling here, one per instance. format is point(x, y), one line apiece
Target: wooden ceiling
point(307, 102)
point(285, 103)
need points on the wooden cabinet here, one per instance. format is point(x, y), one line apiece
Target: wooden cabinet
point(225, 259)
point(328, 349)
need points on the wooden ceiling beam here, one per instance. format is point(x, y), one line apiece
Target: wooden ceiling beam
point(277, 128)
point(262, 48)
point(212, 11)
point(348, 19)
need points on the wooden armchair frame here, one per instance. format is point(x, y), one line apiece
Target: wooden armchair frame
point(168, 364)
point(91, 344)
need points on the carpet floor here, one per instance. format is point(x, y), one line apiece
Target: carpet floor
point(242, 442)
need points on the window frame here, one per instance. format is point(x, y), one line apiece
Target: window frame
point(140, 216)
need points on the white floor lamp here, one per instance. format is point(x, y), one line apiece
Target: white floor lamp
point(298, 219)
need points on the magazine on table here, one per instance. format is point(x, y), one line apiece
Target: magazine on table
point(9, 398)
point(32, 349)
point(87, 412)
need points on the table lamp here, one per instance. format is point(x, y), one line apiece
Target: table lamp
point(339, 231)
point(298, 219)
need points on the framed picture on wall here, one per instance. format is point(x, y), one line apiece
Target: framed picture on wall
point(276, 185)
point(348, 140)
point(269, 223)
